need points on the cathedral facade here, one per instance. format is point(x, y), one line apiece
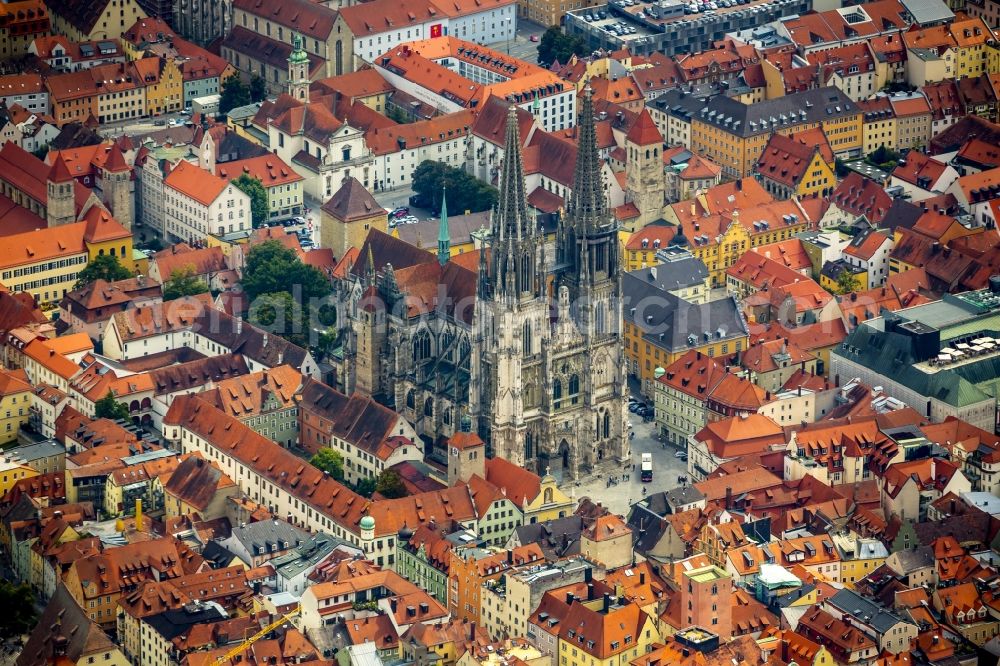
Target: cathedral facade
point(547, 373)
point(529, 346)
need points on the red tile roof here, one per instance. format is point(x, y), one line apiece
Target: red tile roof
point(644, 131)
point(194, 182)
point(270, 170)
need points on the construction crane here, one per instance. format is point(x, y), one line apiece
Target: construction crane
point(245, 645)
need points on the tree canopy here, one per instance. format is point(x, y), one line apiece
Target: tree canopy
point(390, 485)
point(18, 602)
point(234, 93)
point(557, 45)
point(271, 267)
point(102, 267)
point(109, 408)
point(329, 461)
point(183, 282)
point(259, 212)
point(258, 88)
point(847, 282)
point(281, 314)
point(465, 192)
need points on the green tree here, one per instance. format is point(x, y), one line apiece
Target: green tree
point(329, 461)
point(847, 282)
point(258, 88)
point(109, 408)
point(327, 315)
point(280, 314)
point(390, 485)
point(259, 212)
point(365, 487)
point(41, 151)
point(102, 267)
point(271, 268)
point(396, 114)
point(465, 192)
point(557, 45)
point(234, 93)
point(20, 615)
point(183, 282)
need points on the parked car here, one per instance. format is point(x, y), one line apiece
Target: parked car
point(533, 38)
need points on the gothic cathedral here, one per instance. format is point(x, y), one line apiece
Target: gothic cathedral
point(547, 373)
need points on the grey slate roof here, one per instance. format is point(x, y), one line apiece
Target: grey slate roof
point(865, 611)
point(267, 532)
point(173, 623)
point(557, 538)
point(647, 528)
point(684, 495)
point(307, 555)
point(928, 12)
point(809, 106)
point(667, 321)
point(675, 274)
point(678, 103)
point(918, 558)
point(37, 450)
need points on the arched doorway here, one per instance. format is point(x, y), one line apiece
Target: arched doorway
point(564, 454)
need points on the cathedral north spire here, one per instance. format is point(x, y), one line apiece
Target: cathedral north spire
point(587, 205)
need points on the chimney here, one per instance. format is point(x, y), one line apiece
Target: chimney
point(510, 556)
point(392, 604)
point(729, 497)
point(265, 341)
point(607, 602)
point(588, 575)
point(642, 578)
point(472, 631)
point(569, 598)
point(590, 591)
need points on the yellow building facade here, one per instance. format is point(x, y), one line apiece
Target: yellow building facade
point(645, 355)
point(113, 18)
point(11, 473)
point(820, 178)
point(550, 503)
point(15, 401)
point(738, 155)
point(164, 85)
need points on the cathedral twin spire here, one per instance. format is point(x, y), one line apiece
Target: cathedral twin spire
point(513, 268)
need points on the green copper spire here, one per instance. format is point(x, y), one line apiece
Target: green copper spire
point(299, 54)
point(444, 237)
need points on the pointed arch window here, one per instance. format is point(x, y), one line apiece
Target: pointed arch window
point(574, 388)
point(557, 393)
point(526, 341)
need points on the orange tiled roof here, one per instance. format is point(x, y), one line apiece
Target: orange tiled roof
point(194, 182)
